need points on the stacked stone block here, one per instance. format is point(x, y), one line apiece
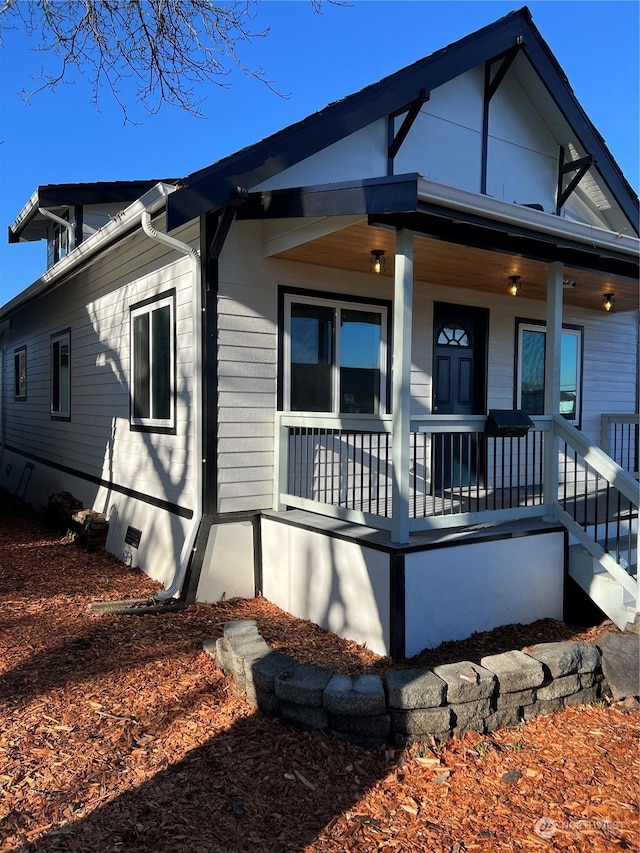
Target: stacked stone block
point(409, 705)
point(416, 699)
point(357, 709)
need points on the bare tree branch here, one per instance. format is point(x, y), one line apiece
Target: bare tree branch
point(168, 48)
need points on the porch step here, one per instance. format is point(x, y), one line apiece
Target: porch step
point(602, 588)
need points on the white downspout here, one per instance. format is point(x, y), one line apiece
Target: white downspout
point(70, 227)
point(196, 406)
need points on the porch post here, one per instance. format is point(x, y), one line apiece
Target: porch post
point(401, 385)
point(552, 377)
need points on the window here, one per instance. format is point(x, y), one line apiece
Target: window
point(61, 375)
point(20, 373)
point(453, 335)
point(531, 345)
point(153, 364)
point(58, 243)
point(335, 356)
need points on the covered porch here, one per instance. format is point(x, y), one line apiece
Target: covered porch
point(406, 471)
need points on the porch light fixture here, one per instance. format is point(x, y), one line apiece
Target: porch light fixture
point(377, 263)
point(514, 287)
point(608, 301)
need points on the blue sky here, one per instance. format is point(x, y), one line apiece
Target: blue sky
point(316, 59)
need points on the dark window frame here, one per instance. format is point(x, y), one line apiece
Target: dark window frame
point(146, 307)
point(286, 295)
point(574, 328)
point(20, 375)
point(58, 413)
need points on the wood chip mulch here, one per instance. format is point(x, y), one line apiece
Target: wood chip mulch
point(117, 733)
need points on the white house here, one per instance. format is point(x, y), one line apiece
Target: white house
point(363, 367)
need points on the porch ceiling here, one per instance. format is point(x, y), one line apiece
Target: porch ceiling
point(459, 266)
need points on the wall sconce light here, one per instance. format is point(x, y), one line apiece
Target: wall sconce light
point(377, 263)
point(514, 287)
point(608, 301)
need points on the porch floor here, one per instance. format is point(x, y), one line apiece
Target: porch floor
point(591, 504)
point(419, 540)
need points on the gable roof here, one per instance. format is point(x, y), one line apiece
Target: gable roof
point(30, 224)
point(212, 187)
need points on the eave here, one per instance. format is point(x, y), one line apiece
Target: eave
point(31, 225)
point(92, 248)
point(467, 234)
point(209, 189)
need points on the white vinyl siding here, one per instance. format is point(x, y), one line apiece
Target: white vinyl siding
point(95, 305)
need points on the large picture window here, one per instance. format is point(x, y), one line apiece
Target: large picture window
point(530, 378)
point(20, 373)
point(61, 375)
point(335, 356)
point(153, 364)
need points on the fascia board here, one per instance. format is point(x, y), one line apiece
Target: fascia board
point(555, 81)
point(23, 217)
point(68, 195)
point(393, 194)
point(534, 220)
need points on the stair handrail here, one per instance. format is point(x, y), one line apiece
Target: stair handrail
point(601, 463)
point(607, 468)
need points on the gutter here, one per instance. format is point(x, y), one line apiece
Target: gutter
point(430, 192)
point(152, 201)
point(196, 403)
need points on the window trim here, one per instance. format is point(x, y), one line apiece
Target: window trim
point(165, 426)
point(525, 324)
point(20, 387)
point(59, 414)
point(337, 301)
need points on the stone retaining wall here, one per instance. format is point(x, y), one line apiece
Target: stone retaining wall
point(408, 705)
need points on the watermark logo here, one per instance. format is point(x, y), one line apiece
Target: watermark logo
point(545, 827)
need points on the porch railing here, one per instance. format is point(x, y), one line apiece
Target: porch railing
point(620, 439)
point(342, 467)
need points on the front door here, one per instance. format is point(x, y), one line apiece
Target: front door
point(459, 388)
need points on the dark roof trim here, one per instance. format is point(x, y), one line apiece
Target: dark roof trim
point(467, 229)
point(72, 195)
point(388, 195)
point(555, 80)
point(209, 188)
point(98, 192)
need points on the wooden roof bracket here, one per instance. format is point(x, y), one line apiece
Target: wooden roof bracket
point(396, 140)
point(580, 167)
point(491, 85)
point(238, 197)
